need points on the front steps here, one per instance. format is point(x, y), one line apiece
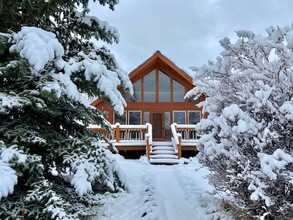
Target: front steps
point(163, 153)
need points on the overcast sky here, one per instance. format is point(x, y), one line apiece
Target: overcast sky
point(186, 31)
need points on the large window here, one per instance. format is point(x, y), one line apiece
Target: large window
point(121, 119)
point(136, 91)
point(178, 92)
point(164, 87)
point(167, 125)
point(193, 117)
point(146, 117)
point(156, 86)
point(179, 117)
point(134, 117)
point(149, 85)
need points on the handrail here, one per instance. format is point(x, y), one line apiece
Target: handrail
point(183, 134)
point(128, 133)
point(177, 139)
point(149, 139)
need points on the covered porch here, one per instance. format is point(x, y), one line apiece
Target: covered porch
point(141, 138)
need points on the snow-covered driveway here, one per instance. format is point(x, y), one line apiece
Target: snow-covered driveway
point(162, 192)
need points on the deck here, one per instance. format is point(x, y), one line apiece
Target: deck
point(140, 138)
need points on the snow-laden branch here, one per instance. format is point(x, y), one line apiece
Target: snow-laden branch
point(41, 47)
point(37, 46)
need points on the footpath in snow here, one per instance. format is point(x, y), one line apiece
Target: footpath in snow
point(162, 192)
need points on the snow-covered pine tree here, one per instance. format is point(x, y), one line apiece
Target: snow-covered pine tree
point(50, 163)
point(247, 138)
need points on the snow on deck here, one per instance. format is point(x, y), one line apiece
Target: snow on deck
point(162, 192)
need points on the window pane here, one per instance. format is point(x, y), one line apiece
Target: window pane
point(121, 119)
point(134, 118)
point(179, 117)
point(146, 116)
point(164, 87)
point(178, 92)
point(136, 92)
point(193, 117)
point(167, 125)
point(149, 85)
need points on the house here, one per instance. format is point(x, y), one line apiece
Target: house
point(158, 101)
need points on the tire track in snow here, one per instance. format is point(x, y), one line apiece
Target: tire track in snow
point(162, 192)
point(171, 194)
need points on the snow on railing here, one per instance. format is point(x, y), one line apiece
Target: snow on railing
point(182, 135)
point(188, 132)
point(125, 132)
point(128, 133)
point(149, 139)
point(176, 140)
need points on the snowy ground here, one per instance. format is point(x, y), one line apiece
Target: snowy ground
point(162, 192)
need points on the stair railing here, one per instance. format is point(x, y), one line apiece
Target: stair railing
point(183, 134)
point(176, 140)
point(149, 139)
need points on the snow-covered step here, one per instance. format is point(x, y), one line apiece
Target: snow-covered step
point(163, 152)
point(164, 161)
point(163, 148)
point(164, 143)
point(156, 156)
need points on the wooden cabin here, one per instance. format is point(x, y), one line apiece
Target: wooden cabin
point(158, 102)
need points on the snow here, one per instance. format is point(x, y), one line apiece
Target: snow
point(8, 175)
point(41, 47)
point(8, 179)
point(162, 192)
point(10, 101)
point(275, 162)
point(104, 25)
point(37, 46)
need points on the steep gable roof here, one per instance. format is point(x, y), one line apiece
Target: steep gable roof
point(161, 61)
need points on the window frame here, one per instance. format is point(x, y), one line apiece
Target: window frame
point(179, 111)
point(200, 116)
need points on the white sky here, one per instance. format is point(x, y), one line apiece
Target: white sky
point(186, 31)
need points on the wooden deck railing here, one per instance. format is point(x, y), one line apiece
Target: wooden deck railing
point(126, 134)
point(183, 134)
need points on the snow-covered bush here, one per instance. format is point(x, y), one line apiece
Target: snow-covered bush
point(247, 138)
point(51, 164)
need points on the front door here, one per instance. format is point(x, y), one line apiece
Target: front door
point(161, 126)
point(157, 122)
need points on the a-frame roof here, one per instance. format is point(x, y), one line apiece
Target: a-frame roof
point(161, 61)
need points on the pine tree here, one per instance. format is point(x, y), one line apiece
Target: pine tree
point(51, 164)
point(246, 140)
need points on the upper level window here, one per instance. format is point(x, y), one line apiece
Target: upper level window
point(149, 86)
point(178, 92)
point(164, 87)
point(136, 92)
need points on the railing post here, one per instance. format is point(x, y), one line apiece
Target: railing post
point(179, 146)
point(117, 132)
point(148, 147)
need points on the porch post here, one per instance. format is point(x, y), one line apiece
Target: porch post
point(117, 132)
point(179, 146)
